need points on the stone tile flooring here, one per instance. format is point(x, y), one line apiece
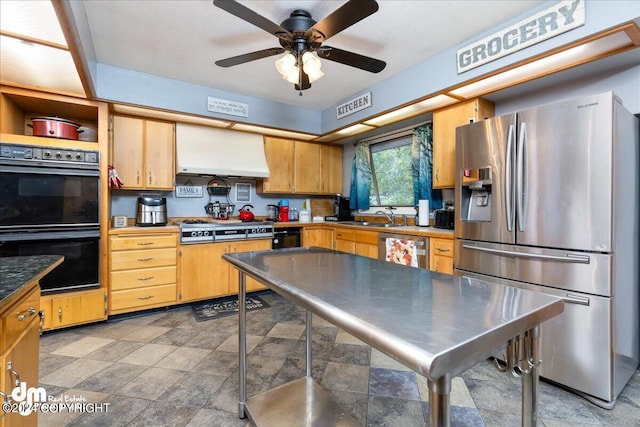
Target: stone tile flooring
point(165, 369)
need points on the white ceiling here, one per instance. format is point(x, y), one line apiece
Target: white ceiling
point(182, 39)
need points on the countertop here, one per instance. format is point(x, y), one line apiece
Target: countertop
point(409, 230)
point(433, 323)
point(17, 272)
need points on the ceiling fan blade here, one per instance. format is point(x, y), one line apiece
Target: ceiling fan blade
point(247, 57)
point(306, 84)
point(343, 17)
point(352, 59)
point(242, 12)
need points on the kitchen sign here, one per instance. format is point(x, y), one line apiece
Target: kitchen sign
point(183, 191)
point(224, 106)
point(355, 105)
point(555, 20)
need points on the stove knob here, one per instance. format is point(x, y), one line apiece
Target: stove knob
point(68, 156)
point(47, 153)
point(78, 156)
point(193, 234)
point(58, 155)
point(205, 233)
point(199, 233)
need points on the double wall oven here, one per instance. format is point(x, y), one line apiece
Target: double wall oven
point(49, 205)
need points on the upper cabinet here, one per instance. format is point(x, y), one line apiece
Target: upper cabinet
point(144, 153)
point(298, 167)
point(445, 122)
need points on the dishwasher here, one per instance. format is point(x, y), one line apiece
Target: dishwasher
point(404, 249)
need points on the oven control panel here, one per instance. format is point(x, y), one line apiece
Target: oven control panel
point(37, 153)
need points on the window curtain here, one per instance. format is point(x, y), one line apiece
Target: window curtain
point(422, 167)
point(360, 177)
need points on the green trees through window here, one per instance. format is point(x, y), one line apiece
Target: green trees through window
point(392, 180)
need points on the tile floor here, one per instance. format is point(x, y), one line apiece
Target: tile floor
point(165, 369)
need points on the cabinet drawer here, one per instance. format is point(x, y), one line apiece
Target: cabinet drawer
point(133, 298)
point(345, 235)
point(140, 278)
point(370, 237)
point(442, 247)
point(143, 259)
point(16, 319)
point(147, 241)
point(345, 246)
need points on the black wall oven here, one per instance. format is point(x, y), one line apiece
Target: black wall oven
point(49, 205)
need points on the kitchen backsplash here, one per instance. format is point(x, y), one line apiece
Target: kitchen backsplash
point(123, 202)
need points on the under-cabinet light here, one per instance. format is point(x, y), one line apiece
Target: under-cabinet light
point(165, 115)
point(273, 132)
point(412, 110)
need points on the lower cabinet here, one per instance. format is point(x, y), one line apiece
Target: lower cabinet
point(142, 270)
point(19, 355)
point(321, 237)
point(441, 255)
point(204, 275)
point(359, 242)
point(75, 308)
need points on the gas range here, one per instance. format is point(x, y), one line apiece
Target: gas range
point(209, 232)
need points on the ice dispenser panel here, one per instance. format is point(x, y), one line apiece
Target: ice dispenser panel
point(475, 193)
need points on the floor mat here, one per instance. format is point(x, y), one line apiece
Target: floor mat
point(221, 307)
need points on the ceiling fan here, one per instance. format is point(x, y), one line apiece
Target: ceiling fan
point(300, 36)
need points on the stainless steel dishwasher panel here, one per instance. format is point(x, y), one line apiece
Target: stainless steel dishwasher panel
point(418, 243)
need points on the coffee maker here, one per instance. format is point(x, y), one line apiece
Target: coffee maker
point(341, 210)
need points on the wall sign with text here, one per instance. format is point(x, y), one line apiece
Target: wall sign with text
point(555, 20)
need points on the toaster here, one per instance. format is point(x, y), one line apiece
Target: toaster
point(444, 218)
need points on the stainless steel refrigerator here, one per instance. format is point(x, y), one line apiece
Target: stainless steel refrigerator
point(547, 199)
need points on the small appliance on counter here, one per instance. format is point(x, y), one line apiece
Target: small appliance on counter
point(341, 210)
point(284, 210)
point(444, 218)
point(245, 215)
point(151, 211)
point(273, 213)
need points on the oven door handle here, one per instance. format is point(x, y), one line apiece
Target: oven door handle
point(48, 170)
point(50, 235)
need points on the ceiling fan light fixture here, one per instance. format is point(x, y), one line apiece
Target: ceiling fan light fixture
point(311, 65)
point(286, 63)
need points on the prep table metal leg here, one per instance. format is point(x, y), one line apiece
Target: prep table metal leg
point(242, 334)
point(530, 381)
point(309, 342)
point(439, 402)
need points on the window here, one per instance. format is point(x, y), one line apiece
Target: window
point(392, 179)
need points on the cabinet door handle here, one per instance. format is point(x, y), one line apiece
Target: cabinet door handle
point(60, 314)
point(14, 373)
point(150, 179)
point(30, 312)
point(137, 177)
point(145, 243)
point(145, 278)
point(144, 259)
point(146, 297)
point(41, 313)
point(443, 250)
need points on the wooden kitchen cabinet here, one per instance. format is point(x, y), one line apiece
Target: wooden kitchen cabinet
point(144, 153)
point(331, 169)
point(19, 354)
point(142, 270)
point(317, 236)
point(203, 274)
point(298, 167)
point(359, 242)
point(441, 255)
point(74, 308)
point(306, 168)
point(445, 122)
point(280, 157)
point(246, 246)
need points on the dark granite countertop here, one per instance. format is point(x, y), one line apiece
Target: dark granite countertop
point(18, 271)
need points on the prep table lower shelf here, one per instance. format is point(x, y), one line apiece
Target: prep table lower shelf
point(301, 399)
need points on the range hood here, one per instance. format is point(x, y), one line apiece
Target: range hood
point(202, 150)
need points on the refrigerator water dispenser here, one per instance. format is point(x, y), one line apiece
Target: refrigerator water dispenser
point(475, 195)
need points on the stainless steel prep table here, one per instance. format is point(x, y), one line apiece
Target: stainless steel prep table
point(436, 324)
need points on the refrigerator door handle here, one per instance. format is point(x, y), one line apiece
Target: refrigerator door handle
point(581, 259)
point(508, 178)
point(521, 177)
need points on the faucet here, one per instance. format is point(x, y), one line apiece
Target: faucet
point(390, 216)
